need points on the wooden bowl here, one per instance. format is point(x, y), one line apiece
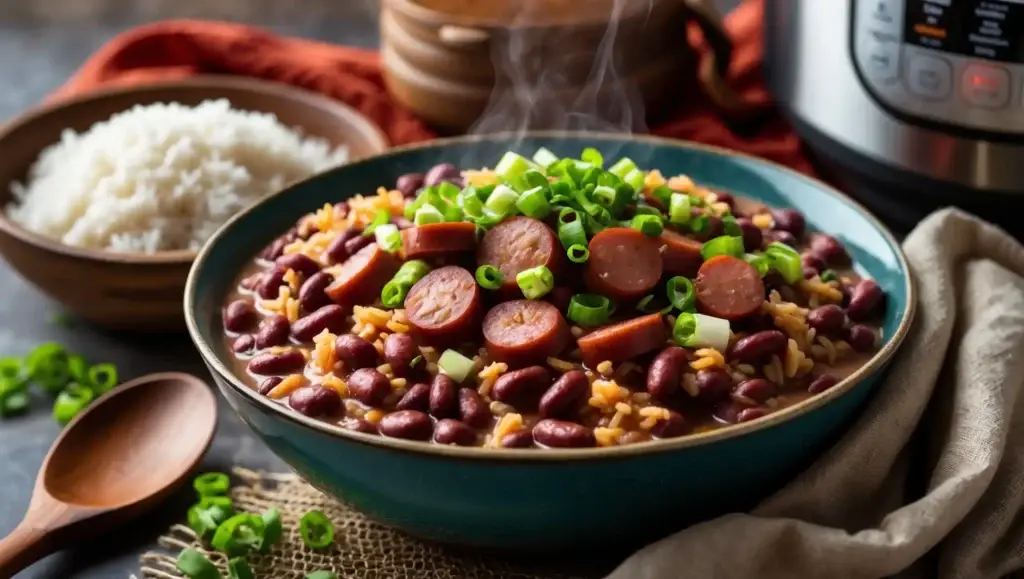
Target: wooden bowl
point(135, 291)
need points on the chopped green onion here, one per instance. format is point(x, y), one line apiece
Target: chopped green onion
point(589, 309)
point(679, 208)
point(786, 261)
point(700, 331)
point(454, 365)
point(724, 245)
point(411, 272)
point(194, 565)
point(635, 179)
point(592, 156)
point(388, 237)
point(535, 282)
point(489, 277)
point(212, 484)
point(646, 306)
point(663, 195)
point(570, 228)
point(322, 575)
point(829, 275)
point(698, 223)
point(12, 370)
point(649, 225)
point(79, 370)
point(14, 399)
point(512, 165)
point(393, 294)
point(272, 529)
point(642, 209)
point(731, 227)
point(578, 253)
point(681, 293)
point(534, 203)
point(501, 200)
point(760, 262)
point(544, 158)
point(316, 529)
point(239, 569)
point(208, 514)
point(239, 534)
point(529, 180)
point(72, 401)
point(427, 214)
point(48, 367)
point(380, 218)
point(622, 167)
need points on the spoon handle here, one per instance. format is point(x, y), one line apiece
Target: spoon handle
point(25, 545)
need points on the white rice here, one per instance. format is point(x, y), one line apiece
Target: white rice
point(162, 177)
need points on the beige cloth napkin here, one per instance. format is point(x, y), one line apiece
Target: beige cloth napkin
point(951, 414)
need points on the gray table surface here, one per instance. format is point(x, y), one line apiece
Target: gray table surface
point(41, 43)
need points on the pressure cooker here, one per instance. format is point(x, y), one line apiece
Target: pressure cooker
point(909, 104)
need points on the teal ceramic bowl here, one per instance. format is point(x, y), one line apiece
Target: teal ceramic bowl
point(553, 500)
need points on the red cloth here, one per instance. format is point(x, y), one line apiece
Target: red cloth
point(179, 48)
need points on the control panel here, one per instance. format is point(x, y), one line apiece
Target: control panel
point(959, 62)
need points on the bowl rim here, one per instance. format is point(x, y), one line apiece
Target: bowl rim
point(423, 15)
point(378, 141)
point(876, 362)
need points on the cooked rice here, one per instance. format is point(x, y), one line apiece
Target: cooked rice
point(707, 358)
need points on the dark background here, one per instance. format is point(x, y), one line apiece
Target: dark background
point(41, 43)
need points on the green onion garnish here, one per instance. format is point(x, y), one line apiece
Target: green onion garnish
point(578, 253)
point(388, 237)
point(622, 168)
point(194, 565)
point(635, 179)
point(427, 214)
point(212, 484)
point(534, 203)
point(589, 309)
point(829, 275)
point(11, 370)
point(647, 306)
point(489, 277)
point(239, 534)
point(205, 516)
point(380, 218)
point(544, 158)
point(316, 530)
point(786, 261)
point(394, 292)
point(724, 245)
point(592, 156)
point(663, 195)
point(679, 208)
point(698, 223)
point(681, 293)
point(501, 200)
point(760, 262)
point(731, 227)
point(79, 369)
point(71, 402)
point(455, 365)
point(322, 575)
point(511, 166)
point(700, 331)
point(14, 399)
point(239, 569)
point(535, 282)
point(48, 367)
point(272, 529)
point(570, 228)
point(649, 225)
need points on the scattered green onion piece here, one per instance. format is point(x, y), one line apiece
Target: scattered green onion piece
point(530, 180)
point(380, 218)
point(622, 167)
point(723, 245)
point(635, 179)
point(316, 529)
point(760, 262)
point(194, 565)
point(239, 534)
point(426, 215)
point(416, 361)
point(589, 309)
point(592, 156)
point(681, 293)
point(411, 272)
point(11, 370)
point(645, 306)
point(697, 201)
point(698, 223)
point(102, 377)
point(570, 228)
point(79, 369)
point(501, 200)
point(512, 165)
point(239, 569)
point(393, 294)
point(535, 282)
point(14, 399)
point(388, 237)
point(212, 484)
point(73, 400)
point(679, 208)
point(534, 203)
point(578, 253)
point(205, 516)
point(322, 575)
point(448, 191)
point(604, 195)
point(489, 277)
point(561, 192)
point(455, 365)
point(272, 529)
point(48, 367)
point(544, 158)
point(663, 195)
point(649, 225)
point(643, 209)
point(731, 227)
point(786, 261)
point(700, 331)
point(829, 275)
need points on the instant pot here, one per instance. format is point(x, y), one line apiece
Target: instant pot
point(907, 104)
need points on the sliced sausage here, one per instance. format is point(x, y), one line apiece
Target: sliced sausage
point(444, 306)
point(624, 264)
point(680, 254)
point(523, 332)
point(362, 276)
point(623, 341)
point(437, 239)
point(518, 244)
point(728, 287)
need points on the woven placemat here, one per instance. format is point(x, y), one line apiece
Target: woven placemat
point(363, 549)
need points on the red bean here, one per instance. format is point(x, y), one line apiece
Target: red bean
point(355, 351)
point(440, 173)
point(399, 352)
point(518, 439)
point(810, 272)
point(336, 251)
point(560, 297)
point(829, 250)
point(352, 246)
point(789, 220)
point(239, 316)
point(812, 261)
point(269, 384)
point(782, 237)
point(748, 414)
point(275, 249)
point(726, 198)
point(565, 396)
point(665, 372)
point(243, 344)
point(864, 299)
point(861, 338)
point(472, 408)
point(444, 397)
point(562, 434)
point(311, 294)
point(522, 388)
point(714, 226)
point(410, 183)
point(315, 401)
point(827, 319)
point(271, 283)
point(407, 424)
point(821, 383)
point(757, 390)
point(760, 346)
point(361, 425)
point(450, 431)
point(415, 398)
point(675, 426)
point(713, 383)
point(728, 410)
point(369, 386)
point(752, 237)
point(280, 363)
point(331, 318)
point(299, 263)
point(273, 332)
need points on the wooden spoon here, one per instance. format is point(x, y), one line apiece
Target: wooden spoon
point(122, 456)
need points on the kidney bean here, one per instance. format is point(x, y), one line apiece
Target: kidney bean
point(440, 173)
point(780, 236)
point(271, 283)
point(810, 272)
point(311, 295)
point(407, 424)
point(518, 439)
point(239, 316)
point(336, 251)
point(341, 209)
point(315, 401)
point(827, 319)
point(280, 363)
point(352, 246)
point(399, 352)
point(861, 338)
point(415, 398)
point(330, 318)
point(752, 238)
point(760, 346)
point(728, 410)
point(829, 250)
point(713, 383)
point(748, 414)
point(243, 344)
point(472, 408)
point(789, 220)
point(273, 331)
point(522, 388)
point(299, 263)
point(369, 386)
point(812, 261)
point(821, 383)
point(355, 351)
point(451, 431)
point(562, 434)
point(665, 371)
point(360, 425)
point(864, 299)
point(757, 389)
point(275, 249)
point(444, 397)
point(674, 426)
point(410, 184)
point(847, 290)
point(774, 280)
point(269, 384)
point(565, 395)
point(755, 323)
point(726, 198)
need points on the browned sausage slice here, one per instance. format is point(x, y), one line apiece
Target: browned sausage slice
point(623, 341)
point(624, 264)
point(436, 239)
point(362, 276)
point(728, 287)
point(680, 254)
point(523, 332)
point(444, 306)
point(518, 244)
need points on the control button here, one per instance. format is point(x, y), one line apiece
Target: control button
point(881, 58)
point(882, 15)
point(986, 86)
point(929, 77)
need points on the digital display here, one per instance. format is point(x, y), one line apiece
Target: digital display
point(992, 29)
